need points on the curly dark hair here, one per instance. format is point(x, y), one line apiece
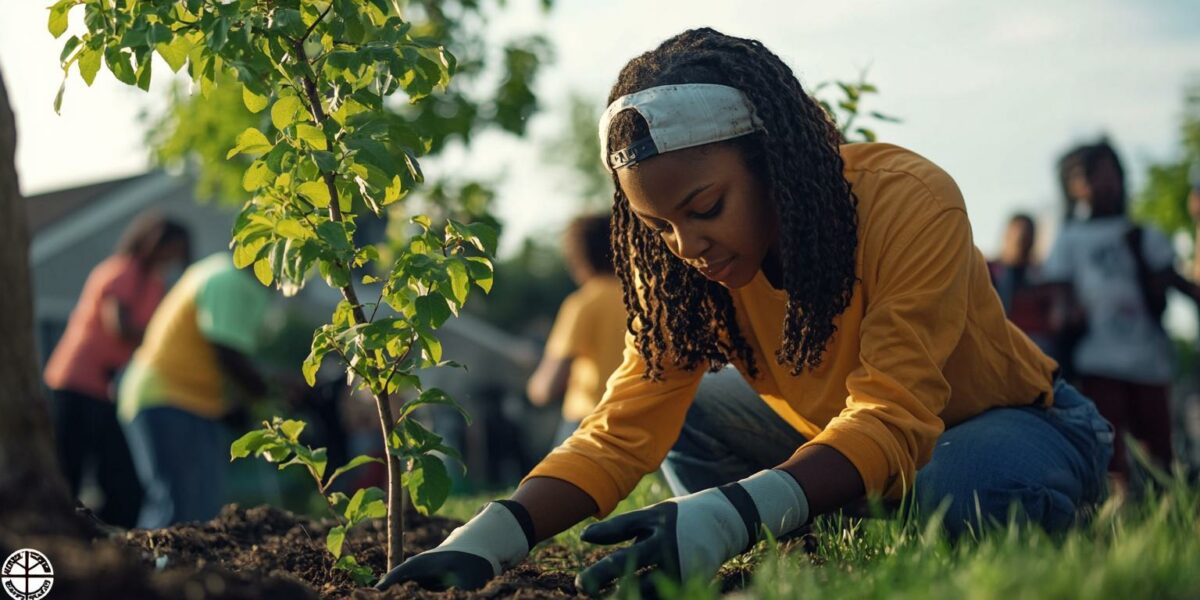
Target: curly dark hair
point(683, 317)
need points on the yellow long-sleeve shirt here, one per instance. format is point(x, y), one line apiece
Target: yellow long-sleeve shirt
point(923, 345)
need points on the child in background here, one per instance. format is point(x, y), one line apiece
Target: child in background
point(1015, 276)
point(106, 326)
point(585, 344)
point(1011, 273)
point(869, 352)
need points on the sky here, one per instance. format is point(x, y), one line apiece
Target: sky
point(992, 92)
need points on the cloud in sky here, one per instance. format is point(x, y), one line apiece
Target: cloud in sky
point(993, 92)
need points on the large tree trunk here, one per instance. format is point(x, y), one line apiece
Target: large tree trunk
point(33, 495)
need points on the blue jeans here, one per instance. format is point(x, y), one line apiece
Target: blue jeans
point(1050, 462)
point(180, 460)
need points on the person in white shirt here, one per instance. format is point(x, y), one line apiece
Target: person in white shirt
point(1119, 272)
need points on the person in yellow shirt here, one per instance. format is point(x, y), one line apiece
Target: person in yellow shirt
point(586, 342)
point(175, 391)
point(852, 341)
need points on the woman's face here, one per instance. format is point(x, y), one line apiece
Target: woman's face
point(709, 208)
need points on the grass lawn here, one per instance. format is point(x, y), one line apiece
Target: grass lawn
point(1144, 549)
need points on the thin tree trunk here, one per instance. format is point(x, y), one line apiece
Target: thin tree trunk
point(30, 481)
point(395, 491)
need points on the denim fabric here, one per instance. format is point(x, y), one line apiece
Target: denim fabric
point(1050, 463)
point(180, 460)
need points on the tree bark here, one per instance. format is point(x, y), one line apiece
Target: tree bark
point(33, 495)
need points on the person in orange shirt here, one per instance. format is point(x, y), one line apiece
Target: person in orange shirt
point(118, 298)
point(586, 342)
point(853, 342)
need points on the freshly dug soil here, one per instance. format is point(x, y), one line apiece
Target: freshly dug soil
point(248, 553)
point(274, 545)
point(106, 569)
point(265, 552)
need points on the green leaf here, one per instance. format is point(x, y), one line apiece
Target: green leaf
point(312, 363)
point(432, 311)
point(262, 270)
point(481, 272)
point(336, 236)
point(89, 64)
point(159, 34)
point(363, 504)
point(433, 346)
point(334, 540)
point(175, 52)
point(484, 237)
point(334, 274)
point(325, 161)
point(250, 141)
point(292, 429)
point(361, 574)
point(311, 135)
point(120, 64)
point(315, 192)
point(293, 229)
point(253, 102)
point(58, 16)
point(256, 176)
point(460, 283)
point(62, 87)
point(428, 483)
point(338, 501)
point(144, 72)
point(284, 111)
point(245, 253)
point(248, 444)
point(69, 47)
point(275, 452)
point(316, 460)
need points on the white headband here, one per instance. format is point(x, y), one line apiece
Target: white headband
point(679, 116)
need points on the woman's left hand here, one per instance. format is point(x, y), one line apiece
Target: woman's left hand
point(692, 536)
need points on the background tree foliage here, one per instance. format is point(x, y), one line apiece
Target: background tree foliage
point(493, 88)
point(1163, 199)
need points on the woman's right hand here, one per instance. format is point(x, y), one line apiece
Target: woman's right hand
point(496, 539)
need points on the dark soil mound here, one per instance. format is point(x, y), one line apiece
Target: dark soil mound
point(268, 544)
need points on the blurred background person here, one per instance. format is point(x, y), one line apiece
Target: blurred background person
point(1015, 275)
point(1013, 270)
point(586, 342)
point(1119, 272)
point(177, 389)
point(107, 324)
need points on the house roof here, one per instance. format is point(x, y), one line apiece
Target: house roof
point(44, 210)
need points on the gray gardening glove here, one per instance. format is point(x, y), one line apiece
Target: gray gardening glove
point(496, 539)
point(692, 536)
